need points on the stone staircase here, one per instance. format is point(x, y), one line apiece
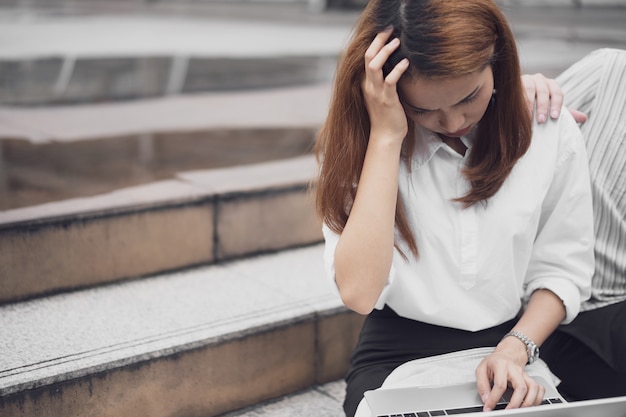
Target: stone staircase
point(161, 256)
point(196, 294)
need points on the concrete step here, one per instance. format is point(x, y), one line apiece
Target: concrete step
point(196, 218)
point(325, 400)
point(201, 342)
point(38, 173)
point(151, 54)
point(55, 153)
point(62, 80)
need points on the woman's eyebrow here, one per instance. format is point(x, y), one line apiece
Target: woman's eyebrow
point(419, 109)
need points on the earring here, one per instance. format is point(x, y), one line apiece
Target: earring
point(493, 98)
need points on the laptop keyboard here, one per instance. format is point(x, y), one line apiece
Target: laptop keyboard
point(455, 411)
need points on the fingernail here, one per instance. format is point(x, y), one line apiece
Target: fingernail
point(541, 117)
point(554, 114)
point(487, 409)
point(484, 397)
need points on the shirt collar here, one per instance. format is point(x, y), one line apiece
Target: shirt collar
point(427, 143)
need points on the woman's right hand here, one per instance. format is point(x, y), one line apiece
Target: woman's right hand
point(387, 117)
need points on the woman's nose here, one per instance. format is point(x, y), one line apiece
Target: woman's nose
point(452, 122)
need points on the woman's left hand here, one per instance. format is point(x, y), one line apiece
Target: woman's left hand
point(504, 368)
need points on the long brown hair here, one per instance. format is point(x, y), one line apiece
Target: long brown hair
point(442, 39)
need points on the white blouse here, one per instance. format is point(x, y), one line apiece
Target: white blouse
point(477, 266)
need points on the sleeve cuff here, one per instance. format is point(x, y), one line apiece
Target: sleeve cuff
point(570, 295)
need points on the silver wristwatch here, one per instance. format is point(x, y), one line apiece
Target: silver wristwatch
point(532, 350)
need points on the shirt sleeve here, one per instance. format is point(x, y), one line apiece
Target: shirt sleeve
point(331, 239)
point(562, 260)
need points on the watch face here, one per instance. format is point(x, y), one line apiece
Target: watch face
point(533, 353)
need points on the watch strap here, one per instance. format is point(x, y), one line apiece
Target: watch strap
point(532, 350)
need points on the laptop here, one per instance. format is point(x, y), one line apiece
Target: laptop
point(463, 399)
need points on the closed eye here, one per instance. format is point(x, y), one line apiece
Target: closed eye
point(418, 112)
point(467, 100)
point(470, 99)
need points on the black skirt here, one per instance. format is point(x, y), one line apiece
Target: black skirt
point(388, 340)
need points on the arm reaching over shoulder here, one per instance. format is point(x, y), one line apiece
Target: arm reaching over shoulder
point(547, 94)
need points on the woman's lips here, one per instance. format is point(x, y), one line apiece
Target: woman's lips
point(458, 133)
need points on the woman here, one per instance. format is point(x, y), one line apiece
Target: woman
point(450, 219)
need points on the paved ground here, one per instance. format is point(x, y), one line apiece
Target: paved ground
point(320, 401)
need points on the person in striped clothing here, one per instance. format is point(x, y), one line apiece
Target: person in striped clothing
point(589, 354)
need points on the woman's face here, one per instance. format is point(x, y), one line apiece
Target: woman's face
point(449, 107)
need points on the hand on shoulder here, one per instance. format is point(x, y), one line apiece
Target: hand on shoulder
point(547, 95)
